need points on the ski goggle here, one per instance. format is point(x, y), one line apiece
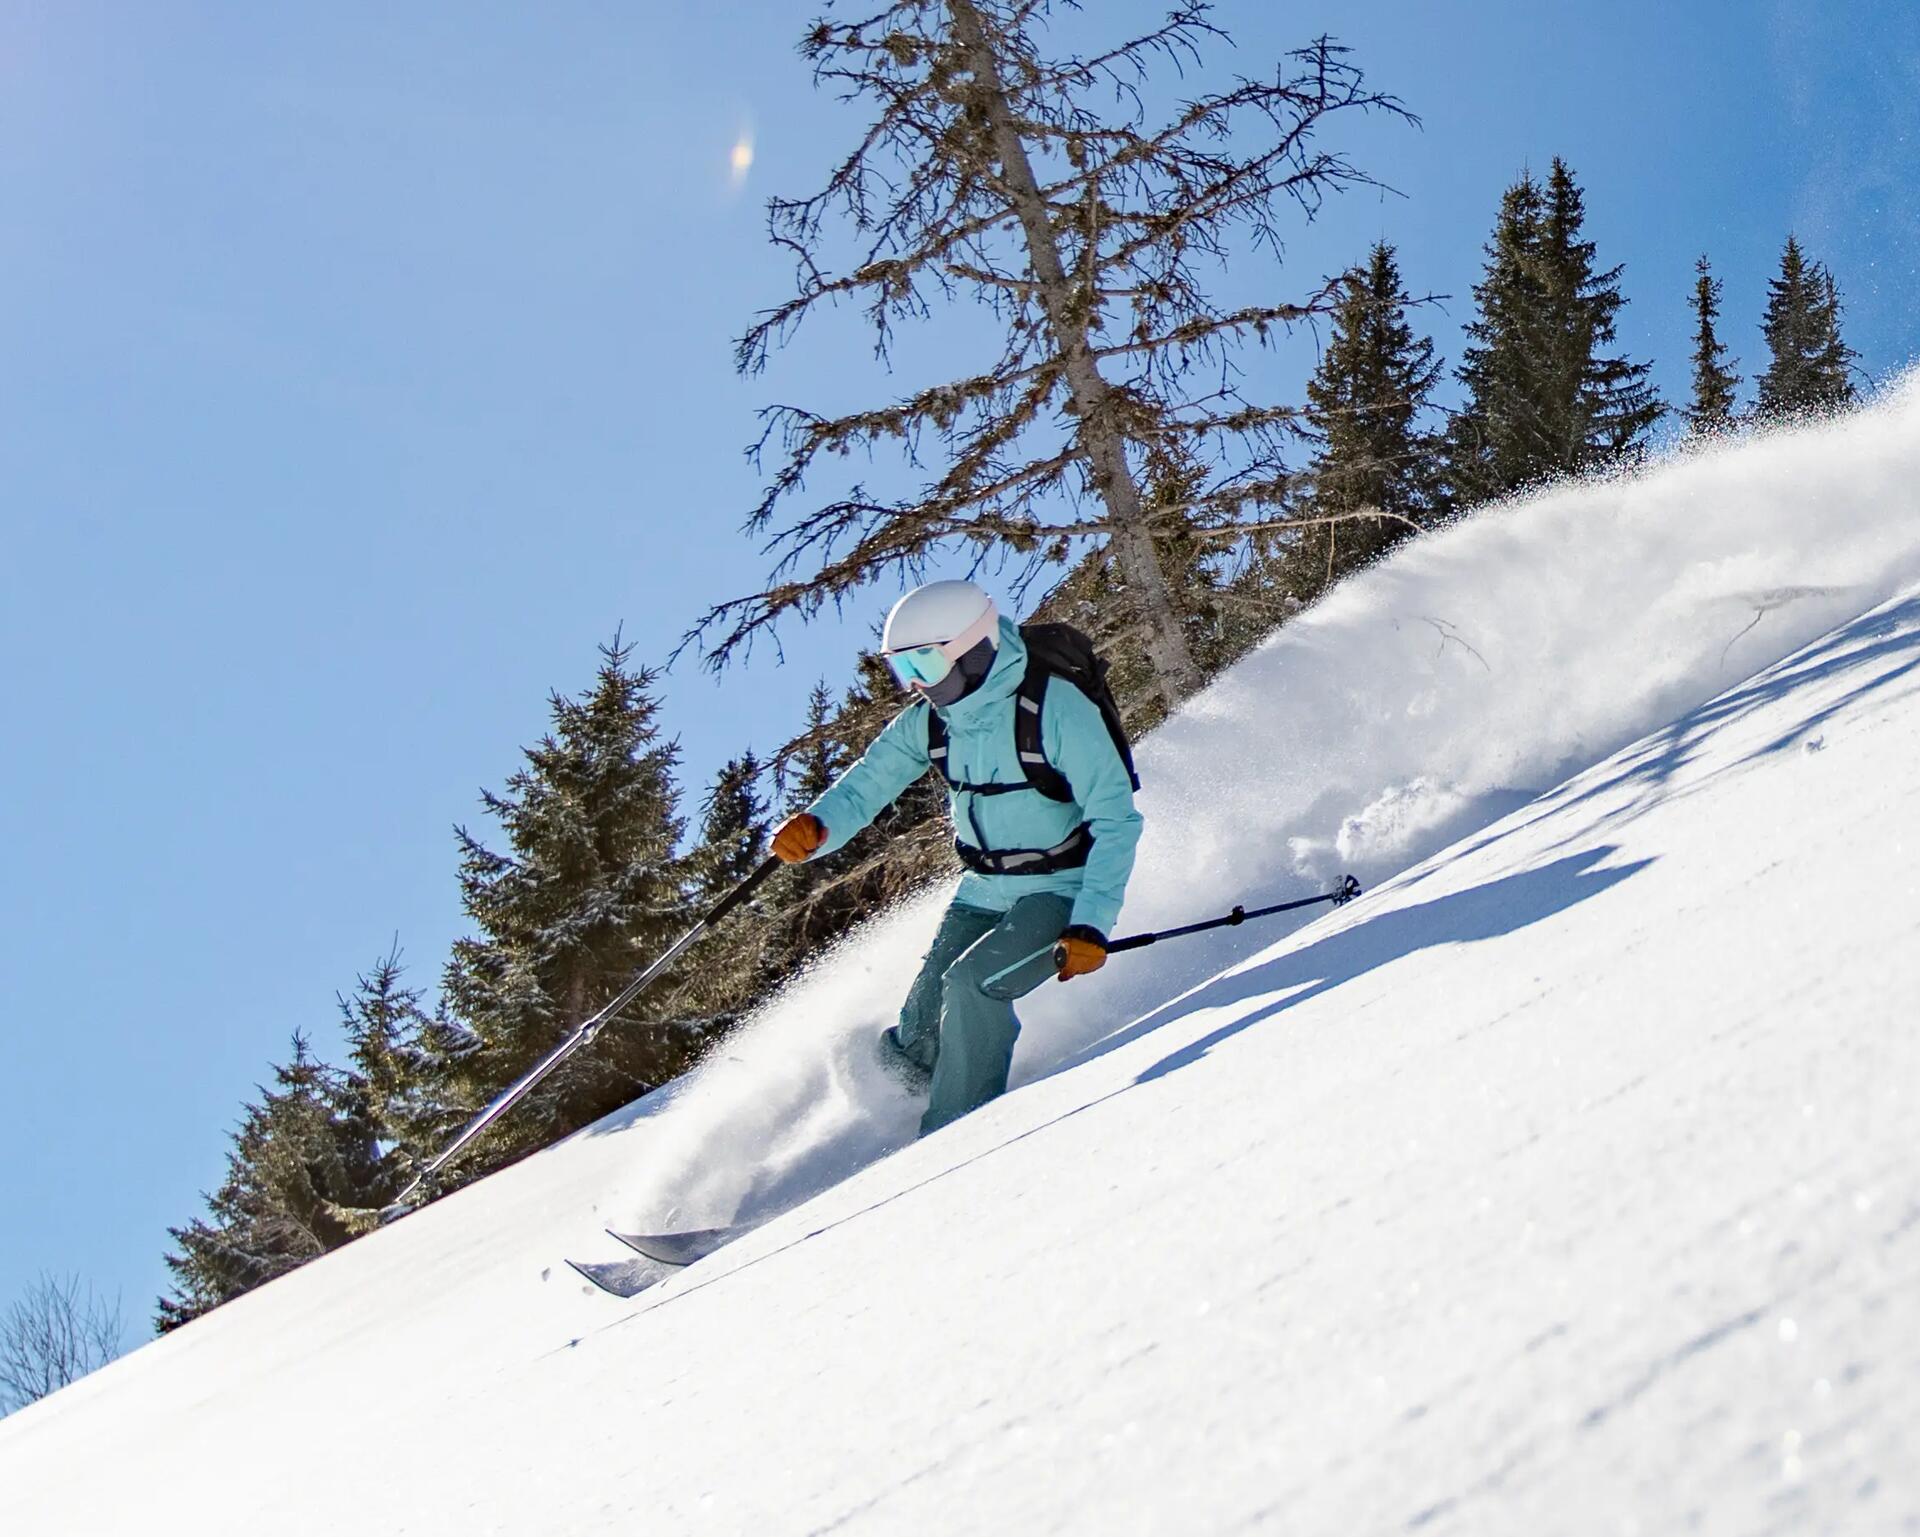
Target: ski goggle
point(920, 666)
point(927, 667)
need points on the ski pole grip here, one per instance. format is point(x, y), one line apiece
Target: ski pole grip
point(1060, 950)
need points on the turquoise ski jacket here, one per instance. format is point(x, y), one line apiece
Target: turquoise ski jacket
point(980, 750)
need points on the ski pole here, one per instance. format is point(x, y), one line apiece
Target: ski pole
point(1340, 896)
point(584, 1032)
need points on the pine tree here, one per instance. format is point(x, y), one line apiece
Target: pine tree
point(803, 770)
point(1374, 481)
point(814, 759)
point(1811, 368)
point(1714, 382)
point(733, 827)
point(591, 887)
point(394, 1090)
point(1615, 403)
point(1488, 449)
point(1035, 186)
point(733, 969)
point(303, 1178)
point(1544, 398)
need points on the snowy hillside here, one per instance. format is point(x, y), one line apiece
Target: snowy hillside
point(1565, 1183)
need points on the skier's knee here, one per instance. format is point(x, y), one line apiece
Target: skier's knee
point(971, 974)
point(960, 977)
point(1005, 982)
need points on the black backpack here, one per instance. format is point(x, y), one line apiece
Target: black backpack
point(1053, 651)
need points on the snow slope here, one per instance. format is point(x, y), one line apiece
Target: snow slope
point(1565, 1183)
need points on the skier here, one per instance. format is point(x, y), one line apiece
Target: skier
point(1040, 785)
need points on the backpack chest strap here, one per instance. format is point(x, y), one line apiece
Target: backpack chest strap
point(1070, 853)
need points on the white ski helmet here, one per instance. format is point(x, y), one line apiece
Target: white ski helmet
point(941, 638)
point(940, 614)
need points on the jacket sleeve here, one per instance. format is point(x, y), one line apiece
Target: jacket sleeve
point(897, 757)
point(1077, 743)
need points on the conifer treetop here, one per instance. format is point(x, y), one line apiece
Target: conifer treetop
point(591, 882)
point(1810, 367)
point(1545, 396)
point(1372, 384)
point(1714, 382)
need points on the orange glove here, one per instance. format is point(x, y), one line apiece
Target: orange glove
point(1081, 950)
point(798, 837)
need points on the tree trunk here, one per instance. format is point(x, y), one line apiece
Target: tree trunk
point(1100, 444)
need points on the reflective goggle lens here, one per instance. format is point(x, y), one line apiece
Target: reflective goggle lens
point(924, 665)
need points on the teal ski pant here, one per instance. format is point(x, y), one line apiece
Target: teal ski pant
point(958, 1020)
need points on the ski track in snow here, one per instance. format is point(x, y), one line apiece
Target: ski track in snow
point(1565, 1183)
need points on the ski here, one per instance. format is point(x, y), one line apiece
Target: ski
point(678, 1248)
point(621, 1277)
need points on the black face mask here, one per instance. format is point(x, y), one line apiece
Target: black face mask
point(967, 675)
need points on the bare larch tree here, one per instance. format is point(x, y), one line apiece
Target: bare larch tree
point(988, 174)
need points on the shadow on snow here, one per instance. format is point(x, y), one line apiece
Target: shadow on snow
point(1874, 654)
point(1487, 911)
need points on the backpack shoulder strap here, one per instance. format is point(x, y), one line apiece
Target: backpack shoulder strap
point(936, 741)
point(1029, 707)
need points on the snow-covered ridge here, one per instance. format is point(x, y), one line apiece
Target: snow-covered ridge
point(1564, 1183)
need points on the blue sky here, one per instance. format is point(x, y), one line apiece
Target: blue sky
point(366, 366)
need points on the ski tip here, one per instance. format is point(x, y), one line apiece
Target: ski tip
point(619, 1278)
point(677, 1249)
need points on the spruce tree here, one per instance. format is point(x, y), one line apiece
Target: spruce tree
point(395, 1089)
point(1489, 450)
point(1714, 382)
point(733, 827)
point(733, 965)
point(1374, 481)
point(815, 758)
point(1544, 397)
point(303, 1177)
point(802, 771)
point(1811, 368)
point(590, 887)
